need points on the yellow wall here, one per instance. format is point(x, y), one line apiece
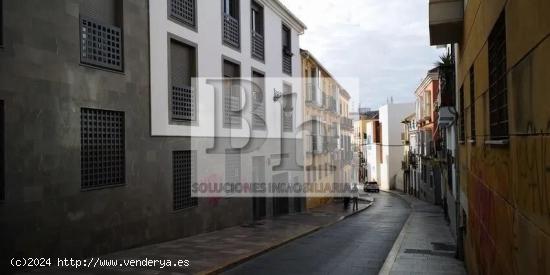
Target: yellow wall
point(322, 177)
point(508, 187)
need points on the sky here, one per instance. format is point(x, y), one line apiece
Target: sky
point(383, 44)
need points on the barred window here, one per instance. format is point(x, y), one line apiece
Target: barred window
point(232, 167)
point(183, 11)
point(461, 118)
point(472, 104)
point(287, 50)
point(182, 71)
point(231, 23)
point(102, 148)
point(257, 26)
point(231, 95)
point(258, 101)
point(101, 43)
point(183, 177)
point(498, 98)
point(288, 109)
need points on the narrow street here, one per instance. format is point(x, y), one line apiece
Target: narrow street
point(357, 245)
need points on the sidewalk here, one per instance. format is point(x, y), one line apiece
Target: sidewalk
point(425, 244)
point(216, 251)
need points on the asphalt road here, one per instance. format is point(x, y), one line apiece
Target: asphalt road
point(356, 245)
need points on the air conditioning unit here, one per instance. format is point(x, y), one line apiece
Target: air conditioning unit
point(446, 118)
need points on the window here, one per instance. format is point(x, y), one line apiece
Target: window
point(182, 70)
point(101, 36)
point(461, 109)
point(257, 33)
point(102, 148)
point(258, 101)
point(183, 177)
point(472, 104)
point(498, 98)
point(231, 23)
point(231, 95)
point(2, 180)
point(287, 51)
point(183, 11)
point(232, 167)
point(287, 109)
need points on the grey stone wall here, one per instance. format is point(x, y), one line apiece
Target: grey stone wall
point(43, 86)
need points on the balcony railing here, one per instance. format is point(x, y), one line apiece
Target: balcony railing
point(231, 33)
point(257, 45)
point(346, 123)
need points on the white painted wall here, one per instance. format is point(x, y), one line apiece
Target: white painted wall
point(390, 116)
point(371, 149)
point(210, 50)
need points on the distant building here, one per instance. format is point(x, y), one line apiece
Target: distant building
point(390, 117)
point(428, 174)
point(327, 128)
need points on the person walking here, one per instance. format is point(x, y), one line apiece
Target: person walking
point(355, 193)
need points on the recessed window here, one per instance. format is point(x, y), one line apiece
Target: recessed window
point(287, 51)
point(258, 101)
point(472, 104)
point(257, 33)
point(183, 178)
point(231, 23)
point(101, 36)
point(231, 95)
point(182, 71)
point(462, 132)
point(288, 108)
point(498, 97)
point(232, 167)
point(102, 148)
point(183, 11)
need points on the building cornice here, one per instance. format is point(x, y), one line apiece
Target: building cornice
point(286, 15)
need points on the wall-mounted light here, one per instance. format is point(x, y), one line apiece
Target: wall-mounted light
point(276, 95)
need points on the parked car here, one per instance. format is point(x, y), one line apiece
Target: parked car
point(371, 186)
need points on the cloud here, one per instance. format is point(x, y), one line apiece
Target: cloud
point(385, 44)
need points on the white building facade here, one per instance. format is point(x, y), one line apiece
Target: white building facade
point(226, 75)
point(391, 115)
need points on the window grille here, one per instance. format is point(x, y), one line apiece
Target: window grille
point(183, 11)
point(100, 44)
point(183, 178)
point(462, 130)
point(498, 98)
point(102, 148)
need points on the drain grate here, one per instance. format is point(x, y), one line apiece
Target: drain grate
point(418, 251)
point(443, 246)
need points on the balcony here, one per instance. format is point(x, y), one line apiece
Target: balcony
point(346, 123)
point(446, 20)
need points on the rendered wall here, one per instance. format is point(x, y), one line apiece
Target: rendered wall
point(508, 187)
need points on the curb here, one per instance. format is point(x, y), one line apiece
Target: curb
point(392, 255)
point(233, 263)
